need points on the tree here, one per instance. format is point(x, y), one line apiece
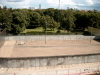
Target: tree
point(4, 7)
point(67, 21)
point(43, 22)
point(40, 11)
point(48, 22)
point(82, 20)
point(18, 22)
point(34, 19)
point(52, 24)
point(6, 19)
point(95, 17)
point(0, 7)
point(49, 11)
point(26, 14)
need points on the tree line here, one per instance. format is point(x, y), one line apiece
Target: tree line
point(17, 20)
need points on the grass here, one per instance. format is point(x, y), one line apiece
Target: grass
point(40, 31)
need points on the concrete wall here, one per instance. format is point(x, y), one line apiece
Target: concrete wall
point(47, 61)
point(51, 37)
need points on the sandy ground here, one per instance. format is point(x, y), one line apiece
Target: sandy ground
point(51, 48)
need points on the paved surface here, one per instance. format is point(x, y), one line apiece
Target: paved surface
point(75, 69)
point(51, 48)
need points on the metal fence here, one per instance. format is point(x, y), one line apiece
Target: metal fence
point(94, 31)
point(89, 70)
point(2, 37)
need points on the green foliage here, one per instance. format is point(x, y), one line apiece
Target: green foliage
point(34, 19)
point(5, 19)
point(49, 12)
point(67, 21)
point(17, 20)
point(48, 22)
point(95, 18)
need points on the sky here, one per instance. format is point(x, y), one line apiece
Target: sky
point(64, 4)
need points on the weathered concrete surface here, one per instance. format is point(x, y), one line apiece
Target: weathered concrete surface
point(47, 61)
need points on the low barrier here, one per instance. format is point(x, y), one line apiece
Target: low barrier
point(48, 61)
point(51, 37)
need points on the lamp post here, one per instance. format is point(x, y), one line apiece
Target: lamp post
point(45, 28)
point(59, 15)
point(91, 31)
point(45, 32)
point(59, 5)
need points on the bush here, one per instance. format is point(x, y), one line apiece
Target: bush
point(58, 31)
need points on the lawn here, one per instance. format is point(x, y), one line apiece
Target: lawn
point(40, 31)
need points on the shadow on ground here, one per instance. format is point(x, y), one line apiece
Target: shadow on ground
point(97, 38)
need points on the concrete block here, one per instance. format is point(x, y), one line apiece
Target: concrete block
point(81, 59)
point(92, 58)
point(52, 61)
point(86, 59)
point(69, 60)
point(21, 63)
point(75, 60)
point(37, 62)
point(43, 62)
point(10, 63)
point(60, 60)
point(66, 61)
point(13, 63)
point(32, 62)
point(0, 63)
point(4, 63)
point(26, 63)
point(17, 63)
point(98, 58)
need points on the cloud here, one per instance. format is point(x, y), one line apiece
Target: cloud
point(15, 3)
point(1, 5)
point(63, 3)
point(70, 3)
point(80, 4)
point(90, 2)
point(14, 0)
